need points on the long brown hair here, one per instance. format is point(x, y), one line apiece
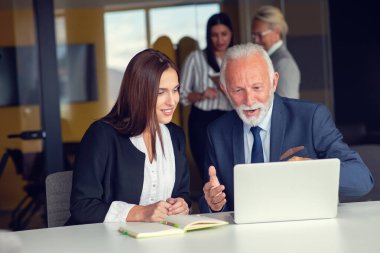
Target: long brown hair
point(216, 19)
point(135, 107)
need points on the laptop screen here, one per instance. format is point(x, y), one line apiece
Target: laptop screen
point(281, 191)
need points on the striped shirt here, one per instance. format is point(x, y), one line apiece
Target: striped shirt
point(195, 78)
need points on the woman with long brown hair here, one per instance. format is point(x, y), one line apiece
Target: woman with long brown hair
point(131, 165)
point(199, 90)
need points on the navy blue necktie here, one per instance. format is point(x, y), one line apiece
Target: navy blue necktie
point(257, 148)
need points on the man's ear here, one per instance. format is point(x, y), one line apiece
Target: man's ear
point(276, 76)
point(277, 30)
point(223, 87)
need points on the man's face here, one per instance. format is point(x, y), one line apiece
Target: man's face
point(263, 34)
point(249, 89)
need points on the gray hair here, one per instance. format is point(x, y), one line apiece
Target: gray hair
point(273, 16)
point(245, 51)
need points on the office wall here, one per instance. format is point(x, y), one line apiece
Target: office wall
point(356, 64)
point(85, 26)
point(16, 29)
point(17, 26)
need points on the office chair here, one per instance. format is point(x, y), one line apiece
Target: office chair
point(58, 190)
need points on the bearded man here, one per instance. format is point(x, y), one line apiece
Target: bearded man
point(265, 127)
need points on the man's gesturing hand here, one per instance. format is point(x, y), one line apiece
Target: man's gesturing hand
point(213, 191)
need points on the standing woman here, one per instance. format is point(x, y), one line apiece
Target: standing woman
point(207, 100)
point(131, 164)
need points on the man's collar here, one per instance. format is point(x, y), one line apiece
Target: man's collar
point(275, 46)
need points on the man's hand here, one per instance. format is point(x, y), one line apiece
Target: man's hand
point(178, 206)
point(299, 158)
point(150, 213)
point(213, 191)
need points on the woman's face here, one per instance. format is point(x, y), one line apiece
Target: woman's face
point(168, 96)
point(220, 37)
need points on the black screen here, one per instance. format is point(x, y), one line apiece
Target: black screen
point(20, 81)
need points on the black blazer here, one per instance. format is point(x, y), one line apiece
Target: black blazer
point(108, 167)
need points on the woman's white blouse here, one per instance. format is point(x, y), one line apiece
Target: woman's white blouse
point(159, 176)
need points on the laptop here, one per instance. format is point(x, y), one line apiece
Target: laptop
point(284, 191)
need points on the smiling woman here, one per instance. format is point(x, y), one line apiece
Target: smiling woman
point(132, 165)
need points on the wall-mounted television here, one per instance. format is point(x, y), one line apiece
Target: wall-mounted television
point(20, 81)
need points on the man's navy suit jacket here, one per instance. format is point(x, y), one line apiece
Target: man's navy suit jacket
point(294, 123)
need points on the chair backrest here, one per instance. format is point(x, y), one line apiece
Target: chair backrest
point(184, 47)
point(58, 191)
point(165, 45)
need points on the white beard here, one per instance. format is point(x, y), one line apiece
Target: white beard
point(255, 120)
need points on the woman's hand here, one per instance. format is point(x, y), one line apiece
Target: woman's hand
point(150, 213)
point(210, 93)
point(178, 206)
point(195, 97)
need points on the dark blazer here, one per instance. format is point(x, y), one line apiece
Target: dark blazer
point(108, 167)
point(290, 77)
point(294, 123)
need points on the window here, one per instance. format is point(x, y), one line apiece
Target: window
point(180, 21)
point(126, 33)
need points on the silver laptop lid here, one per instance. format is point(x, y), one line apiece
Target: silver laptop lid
point(282, 191)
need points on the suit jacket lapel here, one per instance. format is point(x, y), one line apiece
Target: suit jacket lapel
point(178, 163)
point(278, 124)
point(238, 140)
point(178, 158)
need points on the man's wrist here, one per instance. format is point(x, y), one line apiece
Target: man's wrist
point(221, 209)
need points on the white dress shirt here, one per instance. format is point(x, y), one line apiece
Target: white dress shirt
point(265, 125)
point(275, 46)
point(159, 177)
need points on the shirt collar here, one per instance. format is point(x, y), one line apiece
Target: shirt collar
point(275, 46)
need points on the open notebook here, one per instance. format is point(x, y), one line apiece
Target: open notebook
point(174, 224)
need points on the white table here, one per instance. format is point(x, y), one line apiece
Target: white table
point(356, 229)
